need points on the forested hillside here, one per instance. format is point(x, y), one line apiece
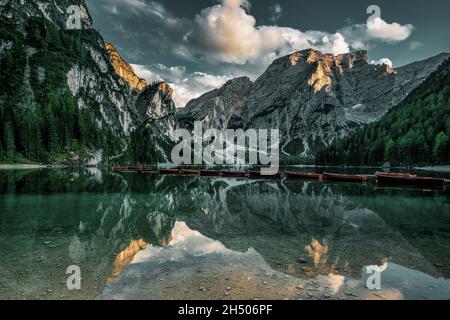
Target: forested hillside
point(415, 132)
point(62, 100)
point(39, 116)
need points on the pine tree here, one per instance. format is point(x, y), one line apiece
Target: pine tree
point(50, 130)
point(440, 148)
point(10, 143)
point(389, 151)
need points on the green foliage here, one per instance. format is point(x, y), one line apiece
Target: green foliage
point(440, 148)
point(44, 123)
point(9, 141)
point(39, 117)
point(143, 142)
point(414, 132)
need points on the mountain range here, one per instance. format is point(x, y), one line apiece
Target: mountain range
point(312, 97)
point(415, 132)
point(67, 96)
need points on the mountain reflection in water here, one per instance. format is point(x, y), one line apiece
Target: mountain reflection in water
point(136, 230)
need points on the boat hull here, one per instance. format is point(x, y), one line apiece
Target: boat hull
point(187, 172)
point(413, 181)
point(344, 178)
point(169, 171)
point(307, 176)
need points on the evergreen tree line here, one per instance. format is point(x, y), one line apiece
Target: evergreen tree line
point(42, 133)
point(416, 132)
point(41, 121)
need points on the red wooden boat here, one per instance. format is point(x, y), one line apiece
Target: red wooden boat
point(344, 177)
point(210, 173)
point(190, 172)
point(300, 175)
point(133, 169)
point(237, 174)
point(394, 174)
point(409, 180)
point(169, 171)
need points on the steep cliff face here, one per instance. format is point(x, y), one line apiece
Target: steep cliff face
point(74, 92)
point(415, 132)
point(55, 11)
point(155, 105)
point(216, 108)
point(124, 70)
point(314, 98)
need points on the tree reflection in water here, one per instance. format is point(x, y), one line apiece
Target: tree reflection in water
point(100, 221)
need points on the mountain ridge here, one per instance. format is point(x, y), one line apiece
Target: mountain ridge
point(61, 85)
point(124, 69)
point(414, 132)
point(312, 97)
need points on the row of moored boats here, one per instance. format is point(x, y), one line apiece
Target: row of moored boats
point(382, 178)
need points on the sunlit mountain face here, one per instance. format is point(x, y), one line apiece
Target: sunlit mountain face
point(207, 238)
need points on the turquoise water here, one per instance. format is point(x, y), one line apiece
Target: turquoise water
point(105, 223)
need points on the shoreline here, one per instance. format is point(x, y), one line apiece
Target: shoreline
point(29, 166)
point(438, 169)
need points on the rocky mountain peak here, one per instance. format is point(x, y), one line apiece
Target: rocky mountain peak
point(155, 105)
point(321, 68)
point(216, 107)
point(312, 97)
point(123, 69)
point(352, 59)
point(165, 88)
point(55, 11)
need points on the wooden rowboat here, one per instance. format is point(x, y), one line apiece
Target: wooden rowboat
point(133, 169)
point(393, 174)
point(190, 172)
point(344, 177)
point(409, 180)
point(169, 171)
point(299, 175)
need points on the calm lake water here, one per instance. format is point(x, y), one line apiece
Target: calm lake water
point(145, 236)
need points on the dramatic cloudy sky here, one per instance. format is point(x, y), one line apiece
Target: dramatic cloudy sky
point(197, 45)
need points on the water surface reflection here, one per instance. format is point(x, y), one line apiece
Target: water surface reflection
point(262, 239)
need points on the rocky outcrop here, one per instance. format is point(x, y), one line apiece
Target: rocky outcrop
point(55, 11)
point(155, 104)
point(313, 98)
point(216, 108)
point(124, 70)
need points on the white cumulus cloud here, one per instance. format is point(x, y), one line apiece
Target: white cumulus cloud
point(385, 61)
point(187, 86)
point(380, 29)
point(229, 34)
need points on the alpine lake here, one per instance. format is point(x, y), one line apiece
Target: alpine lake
point(150, 236)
